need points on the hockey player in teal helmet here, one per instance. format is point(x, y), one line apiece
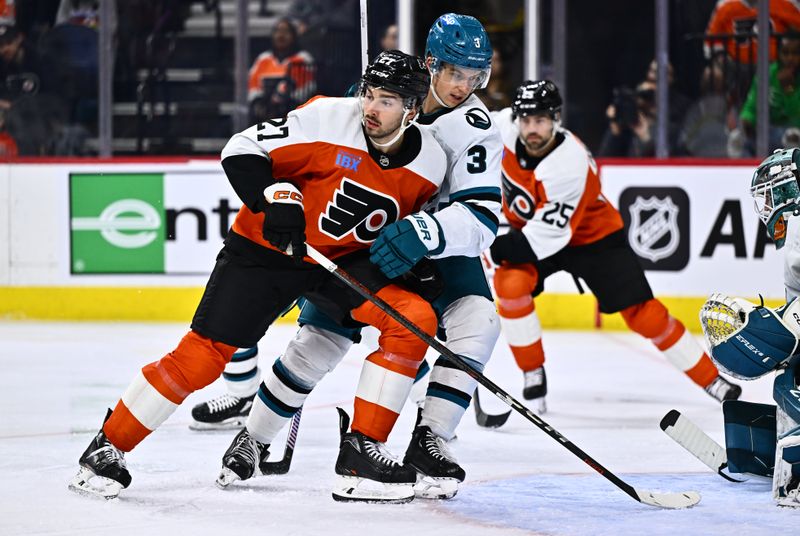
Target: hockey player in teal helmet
point(749, 341)
point(775, 191)
point(459, 56)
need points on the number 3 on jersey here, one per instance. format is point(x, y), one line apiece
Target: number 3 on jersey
point(477, 159)
point(562, 211)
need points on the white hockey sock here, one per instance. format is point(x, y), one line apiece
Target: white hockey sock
point(241, 374)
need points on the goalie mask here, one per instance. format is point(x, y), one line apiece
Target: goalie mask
point(775, 191)
point(747, 340)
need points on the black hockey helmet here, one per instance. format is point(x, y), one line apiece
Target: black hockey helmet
point(399, 72)
point(536, 97)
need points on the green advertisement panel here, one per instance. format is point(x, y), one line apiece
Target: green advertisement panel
point(117, 223)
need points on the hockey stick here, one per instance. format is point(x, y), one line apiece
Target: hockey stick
point(663, 500)
point(281, 467)
point(488, 420)
point(688, 435)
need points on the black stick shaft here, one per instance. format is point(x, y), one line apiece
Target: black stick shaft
point(474, 374)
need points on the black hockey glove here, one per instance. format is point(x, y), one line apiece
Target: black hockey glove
point(423, 279)
point(284, 219)
point(513, 248)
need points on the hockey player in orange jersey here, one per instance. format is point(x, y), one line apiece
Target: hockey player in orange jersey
point(331, 174)
point(560, 220)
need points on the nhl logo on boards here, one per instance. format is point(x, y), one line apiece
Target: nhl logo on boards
point(657, 222)
point(653, 232)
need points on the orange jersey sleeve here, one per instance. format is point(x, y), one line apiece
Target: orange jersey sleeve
point(348, 193)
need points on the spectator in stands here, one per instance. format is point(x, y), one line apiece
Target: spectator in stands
point(632, 118)
point(330, 32)
point(784, 101)
point(390, 38)
point(739, 17)
point(497, 94)
point(281, 78)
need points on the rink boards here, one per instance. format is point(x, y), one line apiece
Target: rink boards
point(136, 239)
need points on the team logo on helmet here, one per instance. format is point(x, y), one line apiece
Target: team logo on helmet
point(653, 232)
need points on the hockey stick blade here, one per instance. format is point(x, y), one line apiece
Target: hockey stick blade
point(688, 435)
point(282, 466)
point(487, 420)
point(669, 500)
point(662, 500)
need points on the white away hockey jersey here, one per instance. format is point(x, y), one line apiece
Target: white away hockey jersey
point(469, 200)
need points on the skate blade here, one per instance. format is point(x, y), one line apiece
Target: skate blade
point(428, 487)
point(226, 425)
point(226, 478)
point(91, 485)
point(537, 405)
point(356, 489)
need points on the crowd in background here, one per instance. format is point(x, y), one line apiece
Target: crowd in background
point(49, 72)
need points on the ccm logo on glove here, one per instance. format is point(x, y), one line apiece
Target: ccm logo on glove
point(284, 219)
point(283, 196)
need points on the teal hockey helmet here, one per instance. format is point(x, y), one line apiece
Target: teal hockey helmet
point(462, 41)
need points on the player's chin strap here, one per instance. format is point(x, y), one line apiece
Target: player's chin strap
point(403, 127)
point(663, 500)
point(436, 96)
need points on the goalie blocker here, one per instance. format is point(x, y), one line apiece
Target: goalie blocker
point(749, 341)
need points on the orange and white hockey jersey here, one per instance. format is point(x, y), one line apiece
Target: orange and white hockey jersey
point(350, 190)
point(297, 67)
point(555, 201)
point(740, 17)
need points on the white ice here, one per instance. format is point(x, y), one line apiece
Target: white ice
point(608, 392)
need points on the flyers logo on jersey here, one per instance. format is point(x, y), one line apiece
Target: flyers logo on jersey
point(517, 198)
point(357, 209)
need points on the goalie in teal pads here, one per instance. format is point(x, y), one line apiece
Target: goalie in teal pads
point(749, 341)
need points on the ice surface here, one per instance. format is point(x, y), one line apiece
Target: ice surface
point(608, 392)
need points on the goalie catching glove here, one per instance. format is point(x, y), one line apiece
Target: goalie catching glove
point(748, 340)
point(284, 219)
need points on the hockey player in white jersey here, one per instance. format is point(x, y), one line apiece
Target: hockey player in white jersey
point(560, 220)
point(453, 234)
point(750, 340)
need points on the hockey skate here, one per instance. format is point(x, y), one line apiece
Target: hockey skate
point(367, 472)
point(103, 472)
point(438, 473)
point(722, 390)
point(535, 389)
point(226, 412)
point(242, 460)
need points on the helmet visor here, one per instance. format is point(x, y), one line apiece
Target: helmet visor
point(456, 75)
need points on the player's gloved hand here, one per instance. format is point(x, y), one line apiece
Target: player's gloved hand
point(512, 247)
point(402, 244)
point(284, 219)
point(424, 279)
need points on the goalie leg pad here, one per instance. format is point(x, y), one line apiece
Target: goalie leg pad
point(750, 436)
point(786, 482)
